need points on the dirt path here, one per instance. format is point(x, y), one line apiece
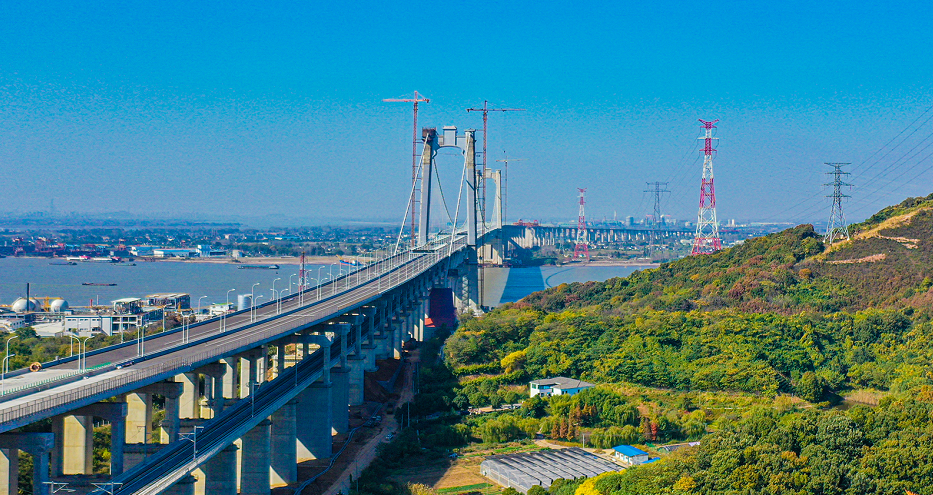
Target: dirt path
point(367, 453)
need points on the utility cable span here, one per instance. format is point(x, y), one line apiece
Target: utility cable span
point(862, 172)
point(411, 197)
point(440, 189)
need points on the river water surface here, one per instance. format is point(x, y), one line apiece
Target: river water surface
point(501, 285)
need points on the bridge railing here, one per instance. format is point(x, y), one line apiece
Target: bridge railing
point(269, 329)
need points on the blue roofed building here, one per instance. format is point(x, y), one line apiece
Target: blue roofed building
point(557, 386)
point(630, 456)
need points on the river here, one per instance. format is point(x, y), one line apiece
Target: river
point(501, 285)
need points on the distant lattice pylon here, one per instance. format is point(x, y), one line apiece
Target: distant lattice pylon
point(582, 247)
point(837, 228)
point(707, 238)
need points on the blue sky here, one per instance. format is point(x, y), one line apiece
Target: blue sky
point(246, 109)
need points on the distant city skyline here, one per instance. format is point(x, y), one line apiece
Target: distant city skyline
point(261, 111)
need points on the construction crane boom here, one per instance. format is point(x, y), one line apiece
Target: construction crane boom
point(414, 156)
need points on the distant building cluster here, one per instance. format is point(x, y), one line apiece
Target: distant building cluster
point(54, 317)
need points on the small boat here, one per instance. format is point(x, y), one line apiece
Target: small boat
point(124, 264)
point(63, 263)
point(95, 284)
point(259, 267)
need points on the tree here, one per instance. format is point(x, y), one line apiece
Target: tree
point(537, 490)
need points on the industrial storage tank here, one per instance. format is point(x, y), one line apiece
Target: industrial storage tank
point(243, 301)
point(20, 305)
point(58, 306)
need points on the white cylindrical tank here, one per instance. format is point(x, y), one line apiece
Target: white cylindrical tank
point(58, 306)
point(243, 301)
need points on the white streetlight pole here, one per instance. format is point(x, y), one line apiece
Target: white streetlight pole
point(281, 295)
point(309, 281)
point(252, 304)
point(199, 303)
point(223, 319)
point(83, 360)
point(290, 282)
point(3, 368)
point(260, 296)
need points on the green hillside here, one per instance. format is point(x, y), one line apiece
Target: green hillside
point(781, 322)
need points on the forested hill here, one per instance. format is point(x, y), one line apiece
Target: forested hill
point(888, 263)
point(776, 314)
point(780, 321)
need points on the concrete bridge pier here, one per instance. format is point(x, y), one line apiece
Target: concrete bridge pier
point(283, 467)
point(256, 465)
point(39, 446)
point(189, 402)
point(138, 417)
point(249, 372)
point(314, 423)
point(9, 471)
point(213, 388)
point(184, 486)
point(220, 473)
point(229, 380)
point(116, 414)
point(73, 451)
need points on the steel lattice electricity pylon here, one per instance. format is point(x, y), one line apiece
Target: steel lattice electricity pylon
point(837, 227)
point(582, 247)
point(657, 189)
point(707, 238)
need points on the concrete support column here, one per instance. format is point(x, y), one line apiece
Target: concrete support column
point(138, 417)
point(229, 380)
point(220, 472)
point(117, 444)
point(248, 373)
point(369, 357)
point(355, 364)
point(190, 400)
point(74, 445)
point(283, 469)
point(257, 449)
point(39, 446)
point(172, 422)
point(207, 401)
point(313, 435)
point(262, 362)
point(9, 471)
point(184, 486)
point(340, 399)
point(280, 358)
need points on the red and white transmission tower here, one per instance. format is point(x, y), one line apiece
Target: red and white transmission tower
point(415, 190)
point(582, 248)
point(707, 238)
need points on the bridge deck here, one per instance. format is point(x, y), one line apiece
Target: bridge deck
point(166, 355)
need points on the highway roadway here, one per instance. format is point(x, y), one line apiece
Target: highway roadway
point(166, 355)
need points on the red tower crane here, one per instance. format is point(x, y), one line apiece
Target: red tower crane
point(415, 193)
point(582, 247)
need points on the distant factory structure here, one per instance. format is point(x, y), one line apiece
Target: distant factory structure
point(54, 317)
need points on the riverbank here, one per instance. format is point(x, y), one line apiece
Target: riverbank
point(598, 263)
